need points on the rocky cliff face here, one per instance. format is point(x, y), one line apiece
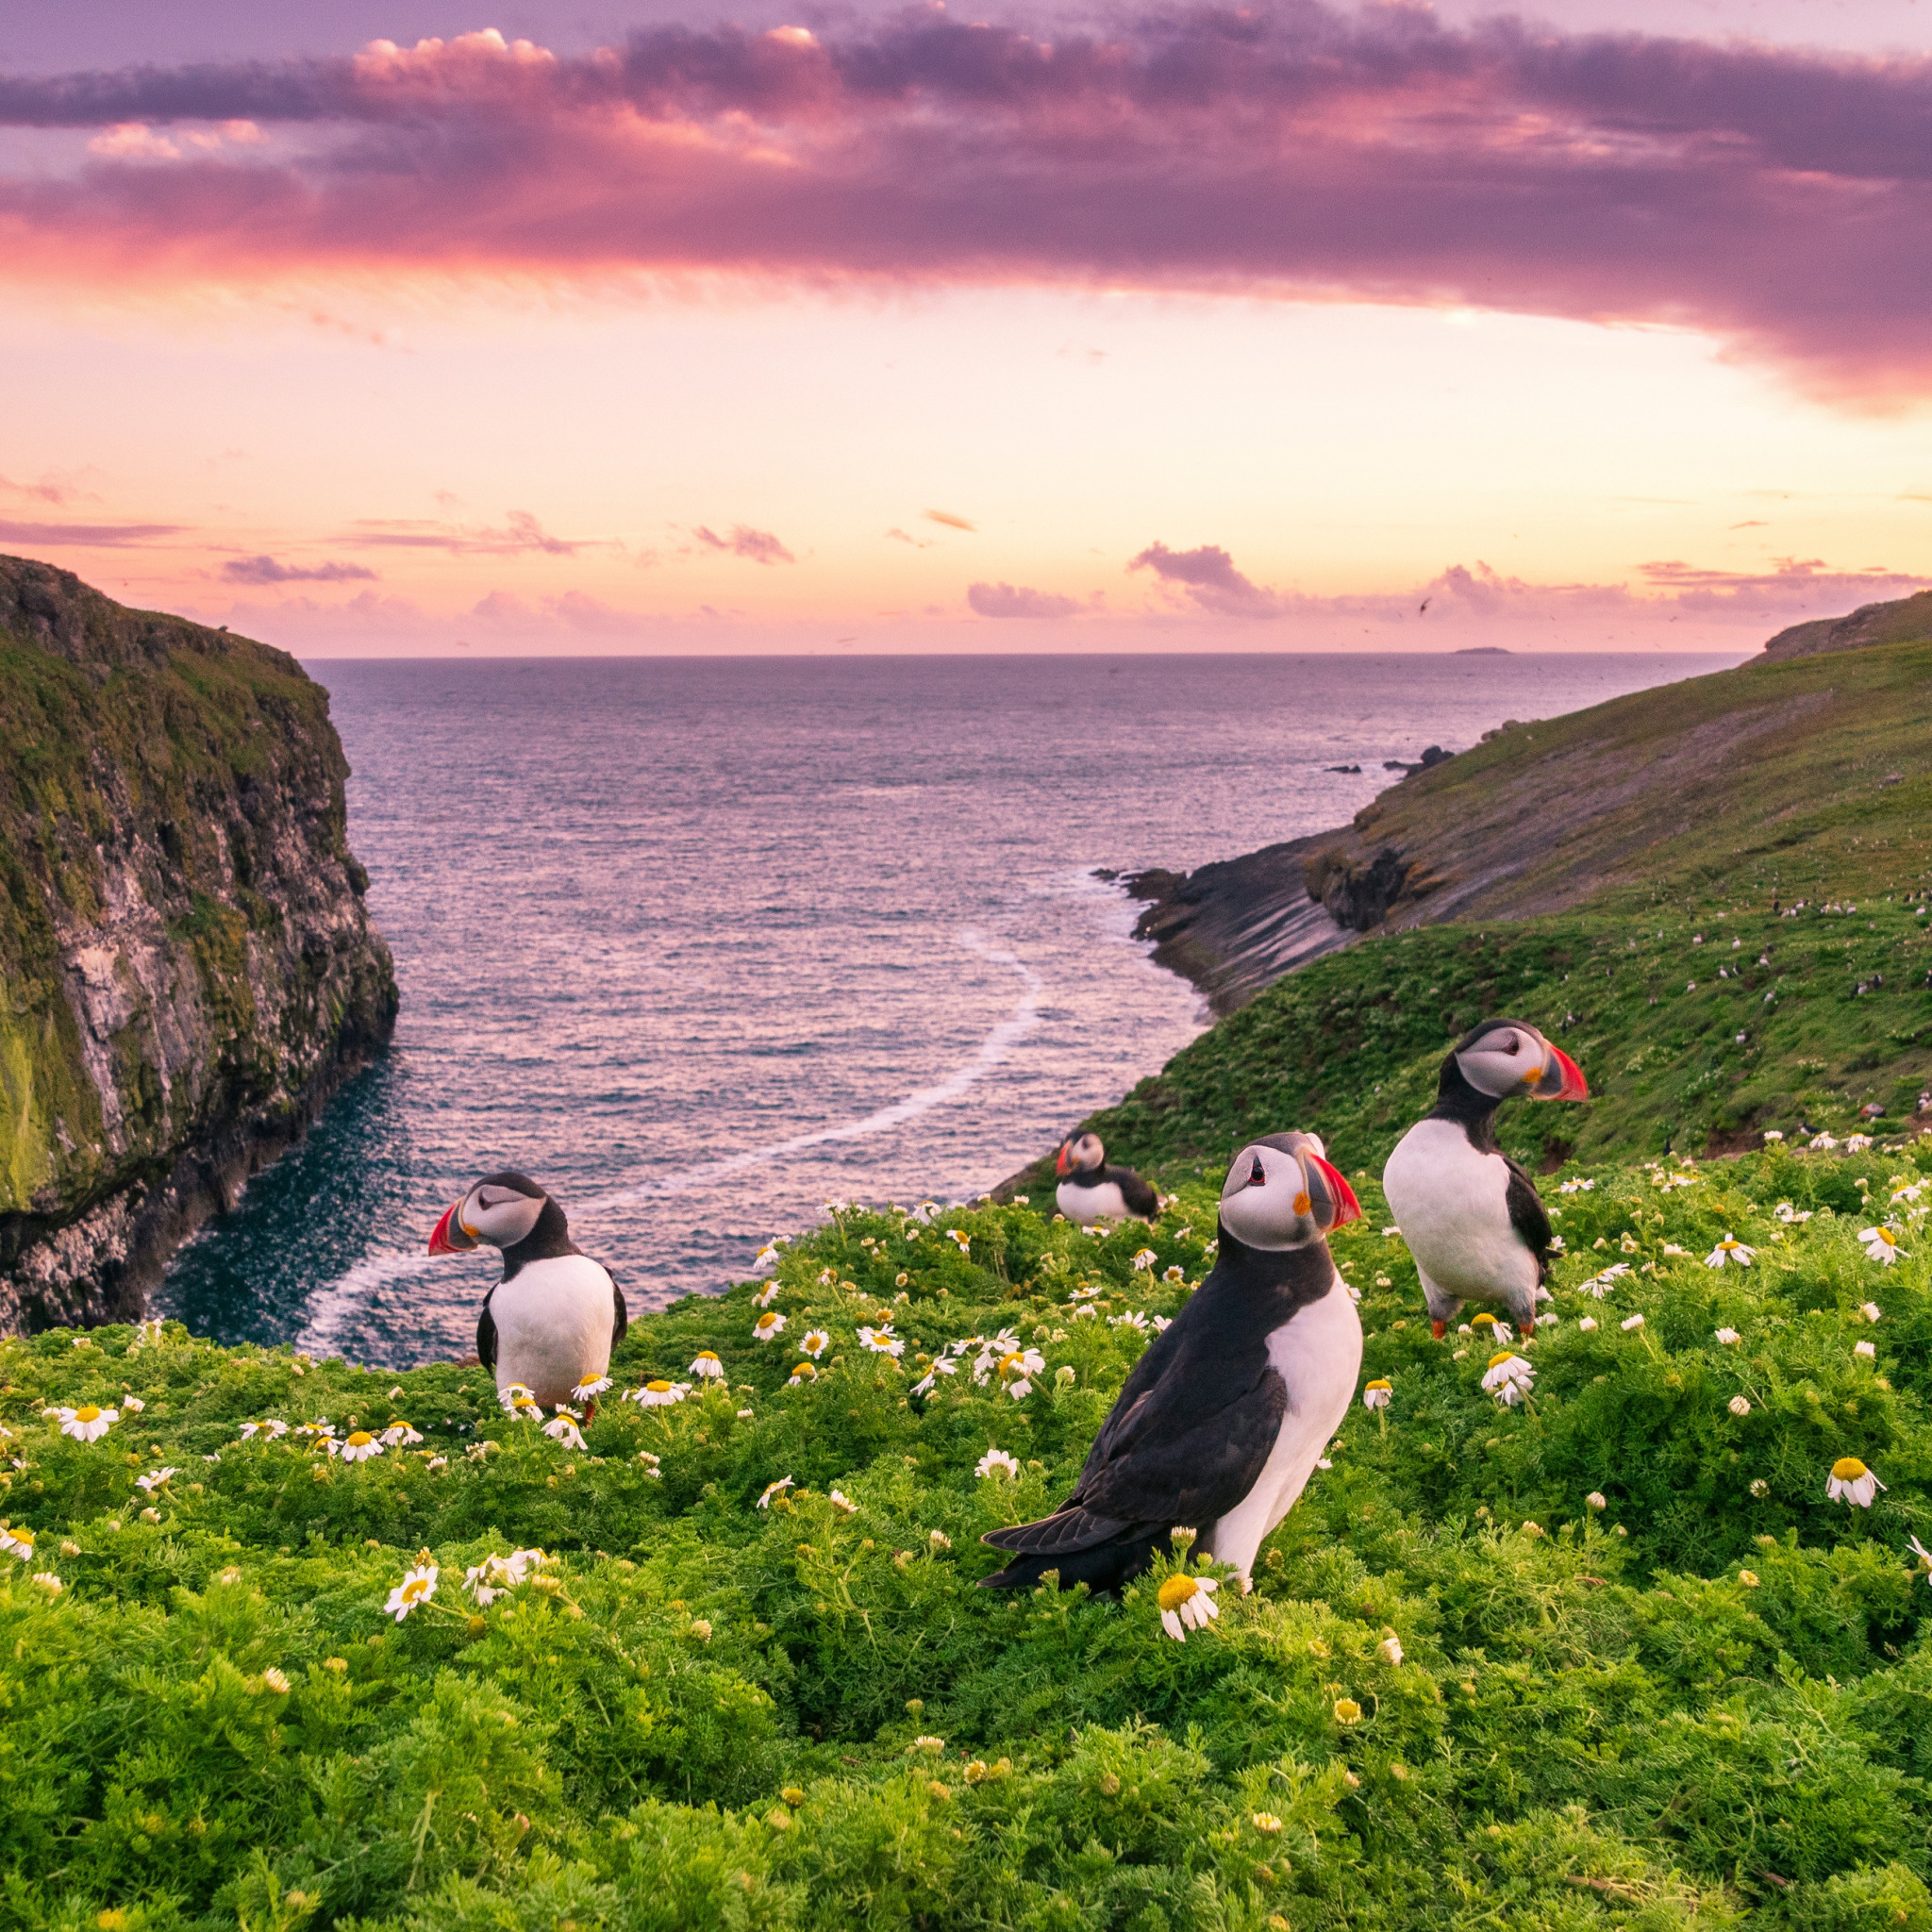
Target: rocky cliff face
point(1905, 620)
point(187, 967)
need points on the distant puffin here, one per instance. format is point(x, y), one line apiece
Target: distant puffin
point(1224, 1417)
point(551, 1323)
point(1469, 1213)
point(1091, 1191)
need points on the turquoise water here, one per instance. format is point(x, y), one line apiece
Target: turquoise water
point(704, 944)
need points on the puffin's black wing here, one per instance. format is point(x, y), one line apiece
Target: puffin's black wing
point(1138, 1194)
point(486, 1337)
point(620, 1315)
point(1526, 1216)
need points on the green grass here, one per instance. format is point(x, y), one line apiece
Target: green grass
point(704, 1713)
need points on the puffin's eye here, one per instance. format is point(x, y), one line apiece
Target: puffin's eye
point(1257, 1178)
point(1510, 1045)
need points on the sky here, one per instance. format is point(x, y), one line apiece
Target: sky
point(380, 327)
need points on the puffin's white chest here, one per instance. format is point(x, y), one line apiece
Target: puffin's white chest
point(1318, 1354)
point(1103, 1202)
point(1452, 1204)
point(554, 1321)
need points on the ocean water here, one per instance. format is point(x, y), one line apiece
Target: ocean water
point(701, 945)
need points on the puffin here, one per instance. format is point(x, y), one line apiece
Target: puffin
point(552, 1320)
point(1469, 1213)
point(1091, 1191)
point(1223, 1420)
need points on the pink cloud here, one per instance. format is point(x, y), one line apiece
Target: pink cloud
point(265, 569)
point(757, 546)
point(1015, 600)
point(1779, 198)
point(1209, 579)
point(85, 536)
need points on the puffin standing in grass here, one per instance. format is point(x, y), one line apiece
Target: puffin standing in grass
point(1091, 1191)
point(1469, 1213)
point(1224, 1416)
point(551, 1323)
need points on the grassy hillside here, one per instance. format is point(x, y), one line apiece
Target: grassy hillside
point(1643, 1672)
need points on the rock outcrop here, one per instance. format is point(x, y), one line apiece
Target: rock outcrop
point(188, 968)
point(1903, 621)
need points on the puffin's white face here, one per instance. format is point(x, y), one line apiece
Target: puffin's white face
point(1281, 1196)
point(1506, 1056)
point(1080, 1155)
point(490, 1213)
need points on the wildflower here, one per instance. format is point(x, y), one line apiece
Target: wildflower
point(588, 1387)
point(1738, 1406)
point(939, 1539)
point(1379, 1394)
point(1017, 1370)
point(959, 1241)
point(515, 1395)
point(659, 1394)
point(357, 1446)
point(1173, 1274)
point(1748, 1578)
point(1631, 1322)
point(944, 1366)
point(804, 1373)
point(1732, 1250)
point(48, 1582)
point(1924, 1557)
point(87, 1423)
point(1143, 1260)
point(146, 1334)
point(1065, 1376)
point(1390, 1650)
point(843, 1503)
point(1186, 1602)
point(1851, 1482)
point(1760, 1488)
point(1597, 1500)
point(1823, 1144)
point(275, 1681)
point(1865, 1349)
point(562, 1427)
point(20, 1542)
point(1132, 1319)
point(153, 1479)
point(1870, 1311)
point(1162, 1323)
point(1347, 1712)
point(1674, 1253)
point(1858, 1144)
point(1576, 1186)
point(767, 1256)
point(1727, 1336)
point(271, 1428)
point(1773, 1135)
point(1881, 1245)
point(437, 1462)
point(882, 1341)
point(155, 1515)
point(705, 1366)
point(1628, 1244)
point(1266, 1821)
point(1509, 1377)
point(997, 1462)
point(494, 1576)
point(1790, 1216)
point(417, 1587)
point(771, 1490)
point(766, 1296)
point(927, 1744)
point(1587, 1323)
point(769, 1326)
point(132, 1404)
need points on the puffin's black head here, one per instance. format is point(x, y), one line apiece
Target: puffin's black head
point(1079, 1154)
point(500, 1210)
point(1281, 1193)
point(1504, 1058)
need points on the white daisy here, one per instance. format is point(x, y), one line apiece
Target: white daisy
point(1732, 1250)
point(153, 1479)
point(843, 1503)
point(523, 1406)
point(1631, 1322)
point(17, 1543)
point(132, 1404)
point(1186, 1602)
point(515, 1395)
point(815, 1343)
point(1738, 1406)
point(959, 1241)
point(1017, 1370)
point(882, 1341)
point(803, 1373)
point(358, 1446)
point(1727, 1336)
point(49, 1582)
point(562, 1427)
point(769, 1326)
point(1576, 1186)
point(1870, 1311)
point(944, 1366)
point(87, 1423)
point(1132, 1319)
point(1865, 1349)
point(1390, 1650)
point(1143, 1260)
point(399, 1435)
point(1174, 1273)
point(997, 1462)
point(1509, 1377)
point(659, 1395)
point(494, 1576)
point(1881, 1245)
point(1597, 1500)
point(777, 1489)
point(417, 1587)
point(765, 1298)
point(1850, 1481)
point(271, 1428)
point(705, 1366)
point(1379, 1394)
point(588, 1388)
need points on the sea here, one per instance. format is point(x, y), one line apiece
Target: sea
point(703, 944)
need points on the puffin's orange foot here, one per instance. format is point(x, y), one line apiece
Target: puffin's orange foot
point(1439, 1329)
point(1528, 1328)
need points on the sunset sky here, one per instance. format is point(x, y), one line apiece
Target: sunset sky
point(395, 328)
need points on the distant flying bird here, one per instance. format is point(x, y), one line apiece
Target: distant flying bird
point(1091, 1191)
point(552, 1320)
point(1424, 606)
point(1223, 1418)
point(1470, 1214)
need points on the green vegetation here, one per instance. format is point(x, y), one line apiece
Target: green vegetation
point(1709, 1697)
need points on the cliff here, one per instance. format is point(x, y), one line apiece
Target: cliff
point(188, 968)
point(1905, 620)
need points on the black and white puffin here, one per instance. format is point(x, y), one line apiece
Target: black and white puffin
point(551, 1323)
point(1091, 1191)
point(1222, 1419)
point(1469, 1213)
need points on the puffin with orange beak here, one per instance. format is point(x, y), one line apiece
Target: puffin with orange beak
point(1222, 1421)
point(1089, 1190)
point(550, 1324)
point(1470, 1214)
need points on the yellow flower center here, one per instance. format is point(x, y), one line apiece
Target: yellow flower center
point(705, 1355)
point(1479, 1320)
point(414, 1587)
point(805, 1369)
point(1886, 1235)
point(360, 1440)
point(22, 1536)
point(88, 1414)
point(1501, 1357)
point(1177, 1590)
point(1848, 1469)
point(1381, 1382)
point(1347, 1712)
point(1011, 1365)
point(766, 1319)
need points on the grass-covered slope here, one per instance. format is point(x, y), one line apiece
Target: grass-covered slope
point(1608, 1659)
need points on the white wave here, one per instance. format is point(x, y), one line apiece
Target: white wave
point(353, 1288)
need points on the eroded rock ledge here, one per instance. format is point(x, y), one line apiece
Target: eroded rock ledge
point(189, 967)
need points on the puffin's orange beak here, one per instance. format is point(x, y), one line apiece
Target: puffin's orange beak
point(1347, 1208)
point(1062, 1161)
point(1562, 1078)
point(439, 1241)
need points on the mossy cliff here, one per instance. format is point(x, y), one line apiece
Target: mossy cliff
point(189, 969)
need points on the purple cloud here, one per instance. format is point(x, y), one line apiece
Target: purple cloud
point(1015, 600)
point(520, 532)
point(1209, 579)
point(265, 569)
point(86, 535)
point(760, 547)
point(1779, 198)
